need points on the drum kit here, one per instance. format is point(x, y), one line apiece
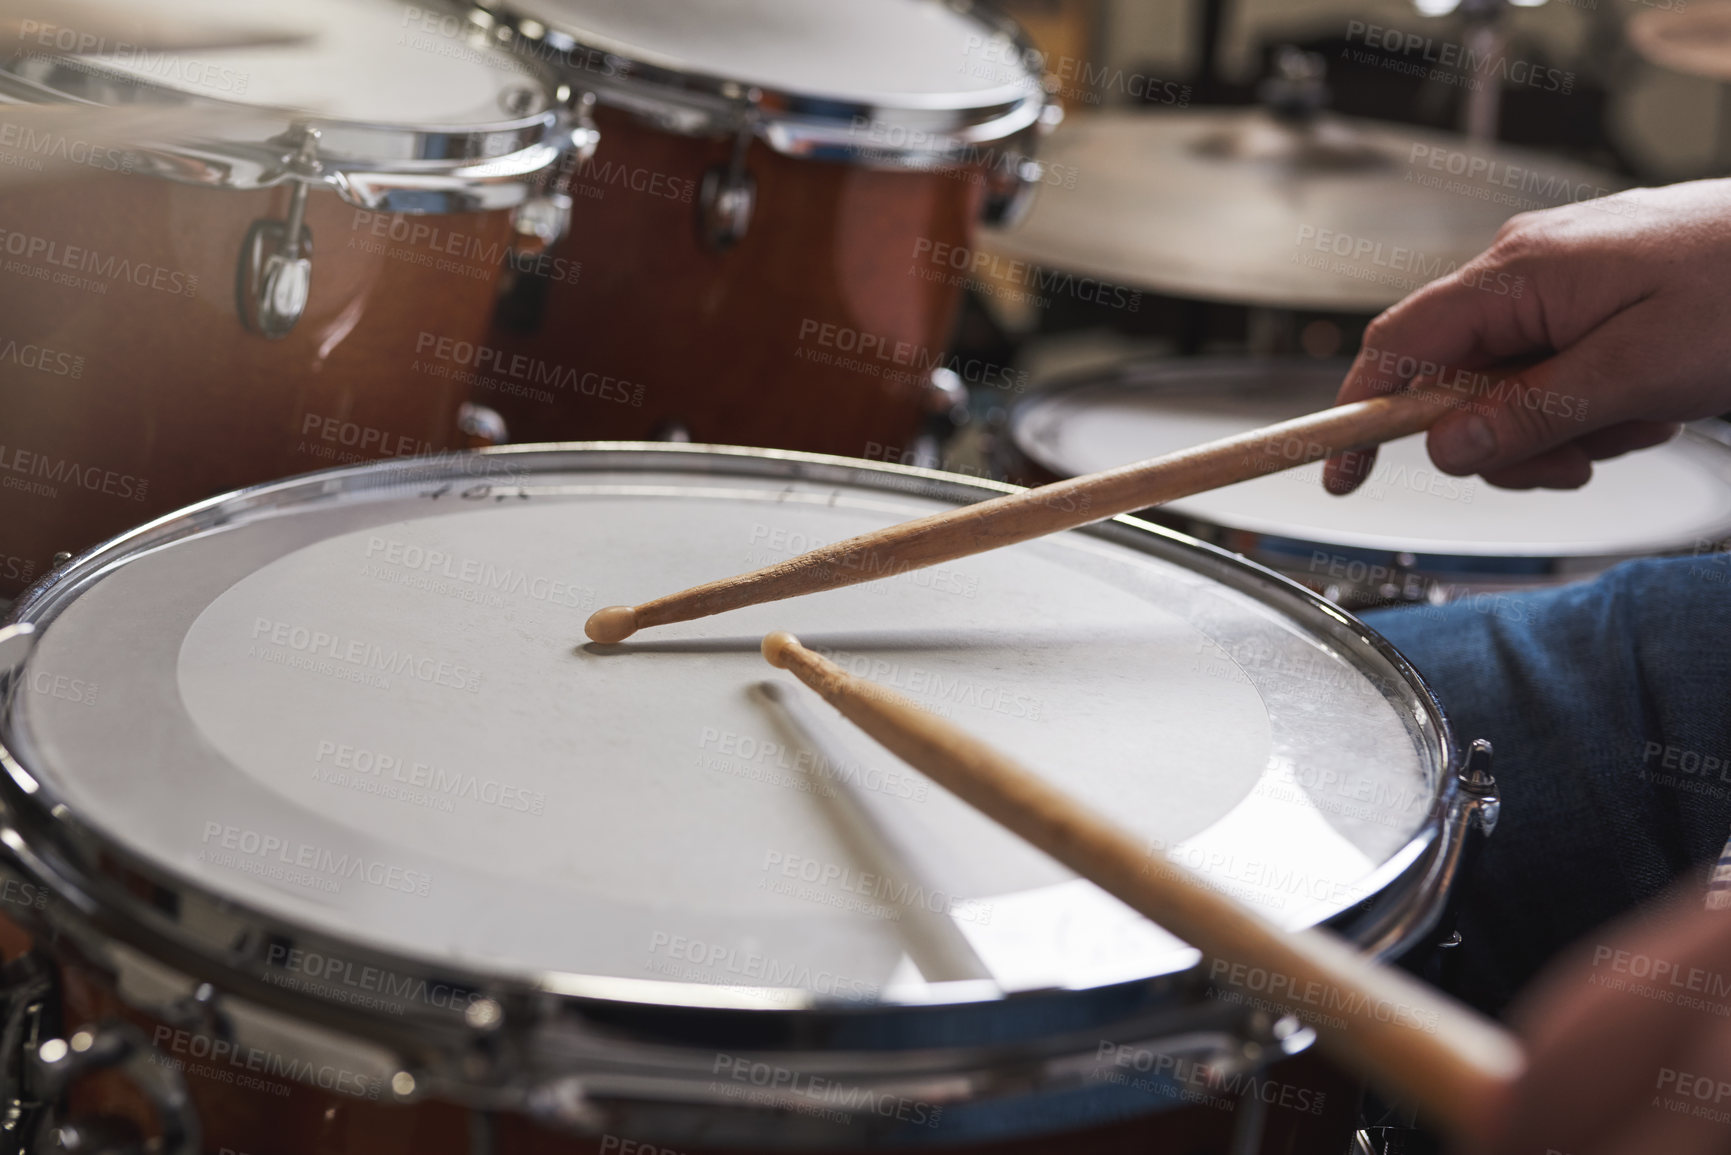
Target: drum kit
point(321, 828)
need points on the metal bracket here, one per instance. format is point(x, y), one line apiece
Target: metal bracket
point(542, 221)
point(274, 279)
point(729, 194)
point(60, 1062)
point(29, 1004)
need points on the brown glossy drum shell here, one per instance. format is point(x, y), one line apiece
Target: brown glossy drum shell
point(815, 332)
point(129, 387)
point(1311, 1106)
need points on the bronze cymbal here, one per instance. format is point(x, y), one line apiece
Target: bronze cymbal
point(1235, 205)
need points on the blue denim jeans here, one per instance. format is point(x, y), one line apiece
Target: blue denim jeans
point(1609, 706)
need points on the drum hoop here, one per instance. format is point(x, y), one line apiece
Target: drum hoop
point(939, 130)
point(414, 168)
point(95, 882)
point(1146, 375)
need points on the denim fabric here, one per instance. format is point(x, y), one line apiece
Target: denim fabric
point(1609, 706)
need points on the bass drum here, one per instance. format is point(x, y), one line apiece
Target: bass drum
point(1411, 533)
point(355, 847)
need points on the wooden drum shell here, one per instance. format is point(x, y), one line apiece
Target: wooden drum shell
point(815, 332)
point(151, 394)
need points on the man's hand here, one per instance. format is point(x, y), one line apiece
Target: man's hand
point(1624, 303)
point(1630, 1043)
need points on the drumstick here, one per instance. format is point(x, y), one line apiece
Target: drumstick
point(1032, 513)
point(1447, 1059)
point(56, 27)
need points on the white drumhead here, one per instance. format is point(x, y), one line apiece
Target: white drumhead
point(374, 717)
point(1672, 497)
point(371, 62)
point(901, 53)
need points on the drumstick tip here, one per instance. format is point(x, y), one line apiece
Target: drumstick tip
point(612, 624)
point(775, 647)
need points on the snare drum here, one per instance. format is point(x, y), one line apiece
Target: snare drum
point(771, 246)
point(169, 335)
point(318, 789)
point(1412, 532)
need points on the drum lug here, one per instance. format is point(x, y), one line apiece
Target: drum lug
point(1484, 802)
point(1469, 818)
point(1010, 194)
point(275, 275)
point(729, 196)
point(565, 1104)
point(542, 221)
point(58, 1063)
point(481, 427)
point(30, 1003)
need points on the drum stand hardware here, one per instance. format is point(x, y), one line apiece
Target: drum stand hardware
point(542, 221)
point(37, 1066)
point(729, 193)
point(275, 275)
point(59, 1062)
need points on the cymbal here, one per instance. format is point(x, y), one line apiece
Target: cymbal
point(1695, 40)
point(1233, 205)
point(107, 26)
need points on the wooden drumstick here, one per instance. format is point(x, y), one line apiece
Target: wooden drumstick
point(1454, 1064)
point(1018, 517)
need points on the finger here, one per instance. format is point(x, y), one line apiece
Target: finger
point(1626, 437)
point(1449, 323)
point(1570, 466)
point(1343, 474)
point(1597, 1038)
point(1565, 467)
point(1580, 390)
